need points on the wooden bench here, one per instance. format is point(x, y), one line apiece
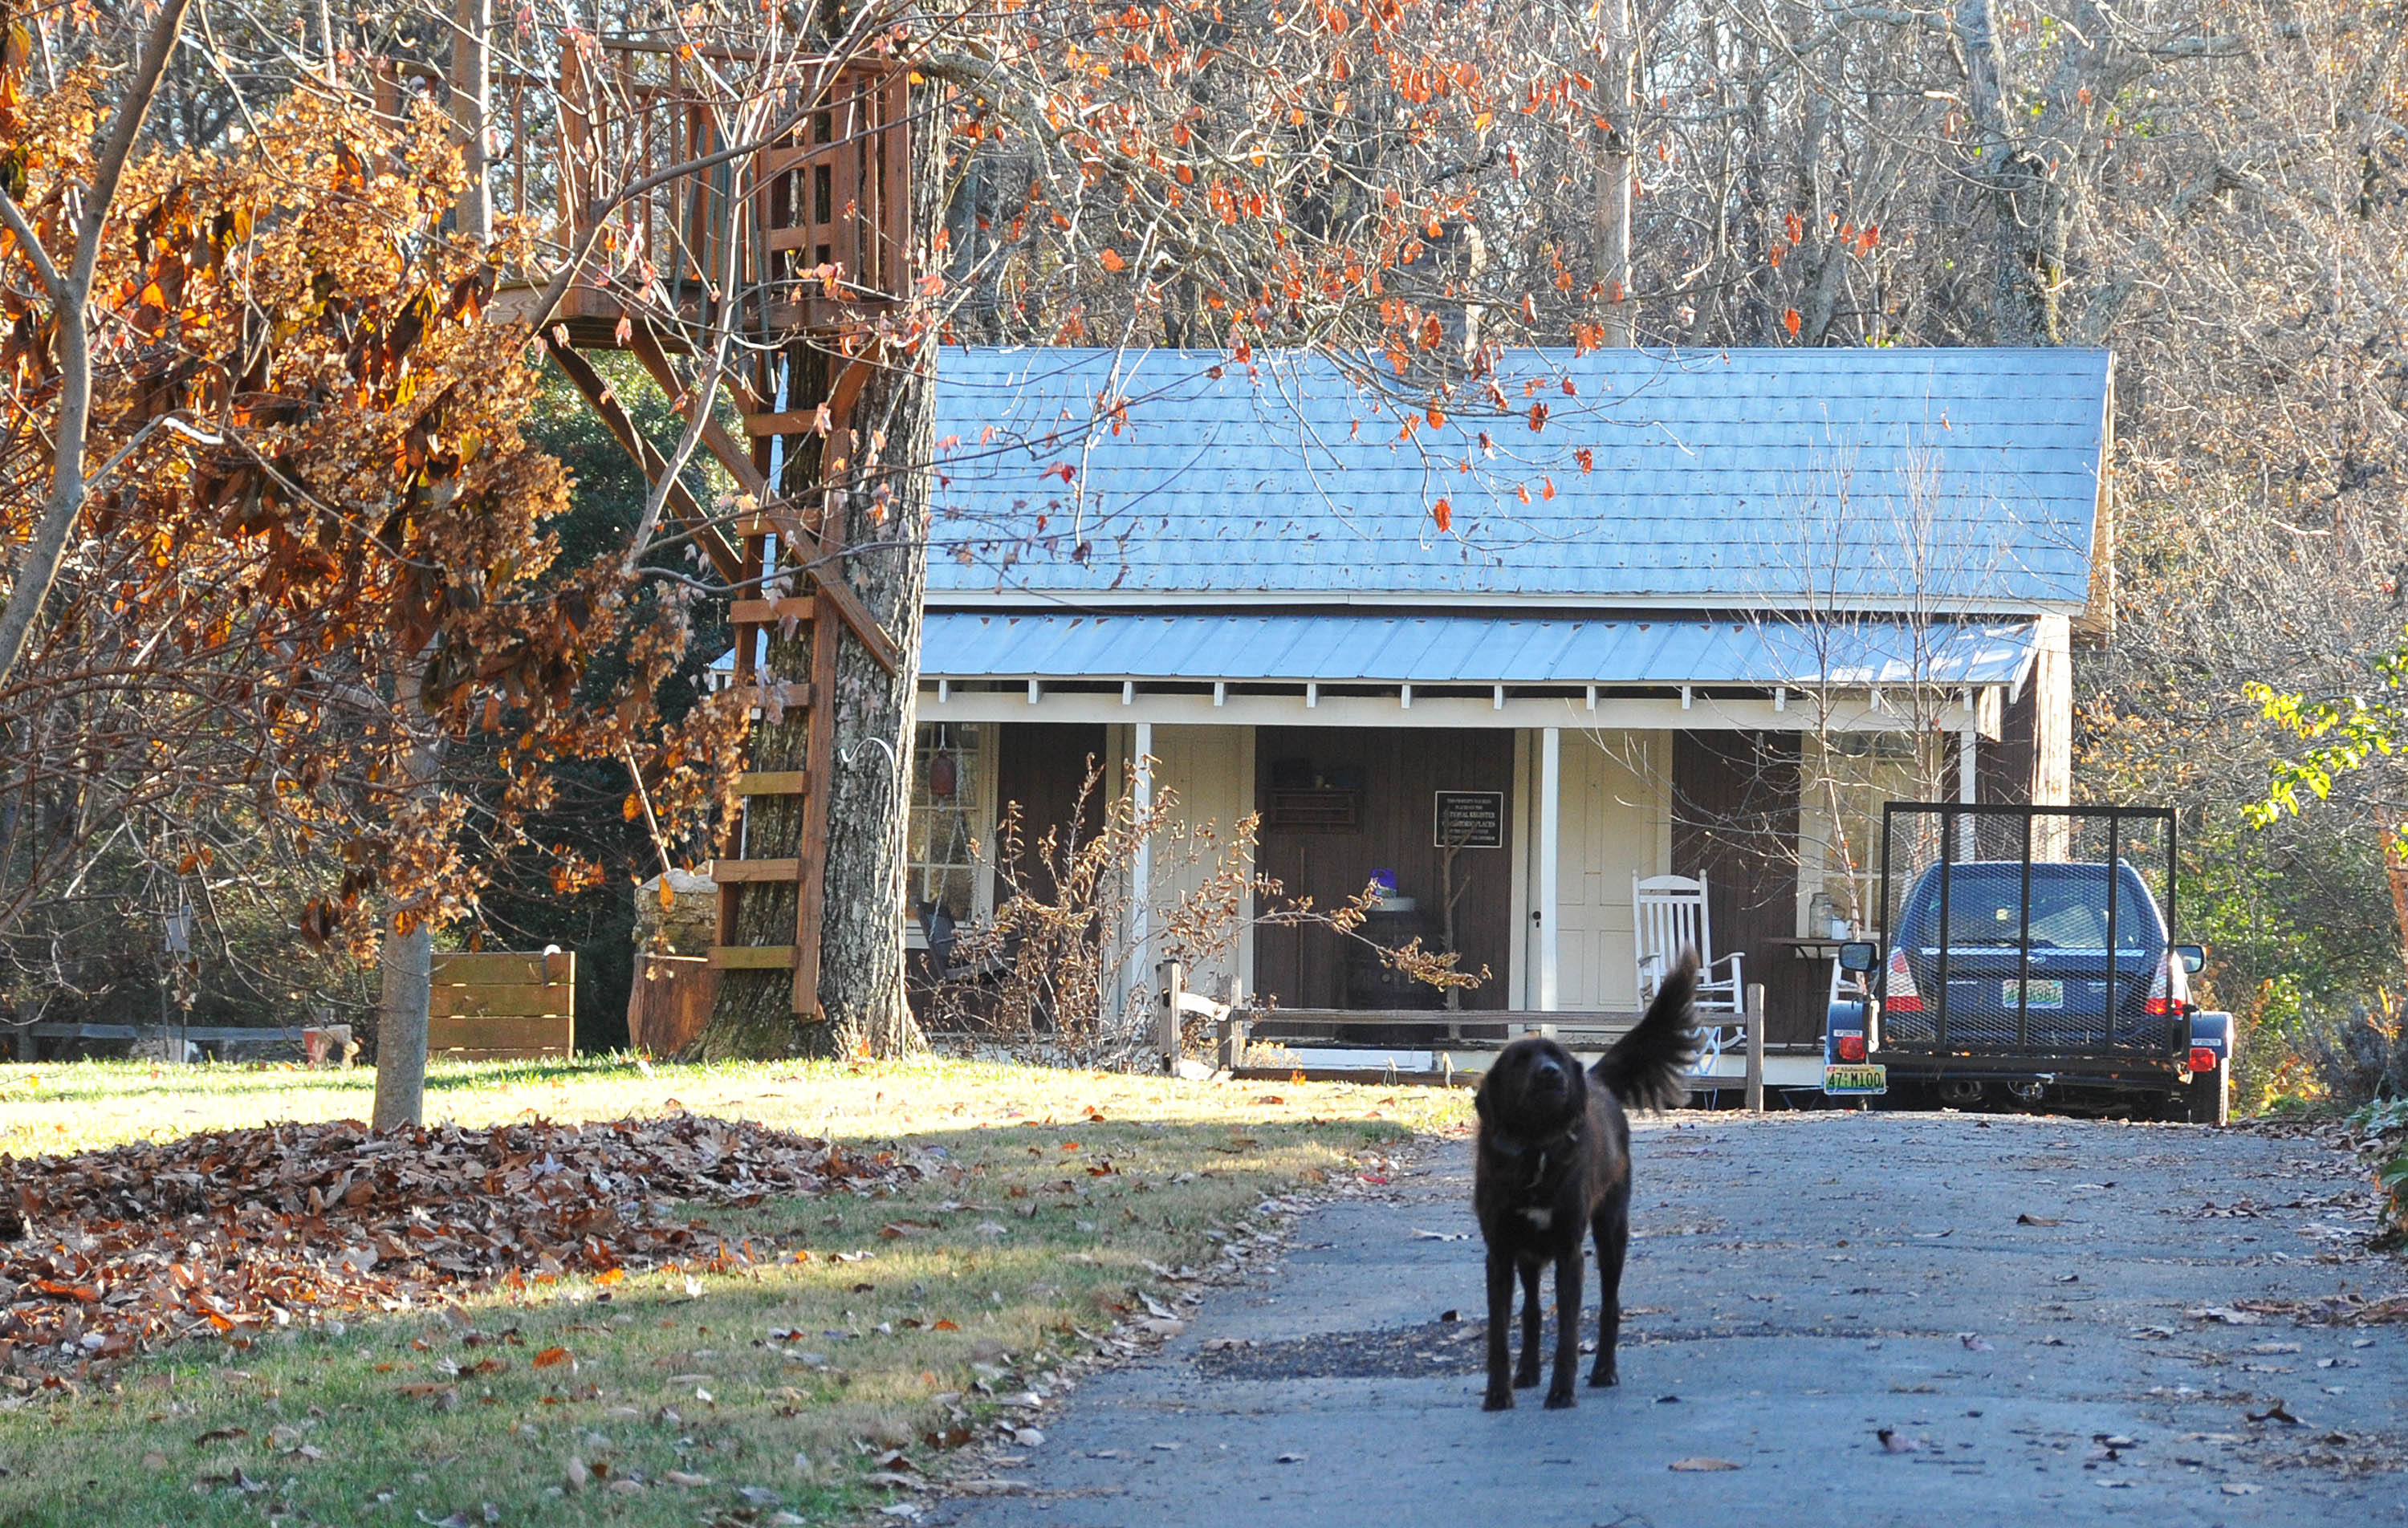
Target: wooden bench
point(1577, 1030)
point(489, 1005)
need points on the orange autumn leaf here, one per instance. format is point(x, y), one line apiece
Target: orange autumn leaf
point(1111, 260)
point(944, 1326)
point(1791, 321)
point(552, 1358)
point(1444, 514)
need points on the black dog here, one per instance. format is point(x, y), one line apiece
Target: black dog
point(1554, 1159)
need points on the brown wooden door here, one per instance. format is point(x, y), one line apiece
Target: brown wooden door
point(1735, 823)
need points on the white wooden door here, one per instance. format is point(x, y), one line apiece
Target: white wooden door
point(1209, 774)
point(1616, 823)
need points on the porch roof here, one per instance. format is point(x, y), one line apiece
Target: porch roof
point(1361, 648)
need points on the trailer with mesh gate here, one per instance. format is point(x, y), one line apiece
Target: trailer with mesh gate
point(2026, 955)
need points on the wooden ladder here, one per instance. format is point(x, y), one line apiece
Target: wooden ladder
point(816, 615)
point(831, 604)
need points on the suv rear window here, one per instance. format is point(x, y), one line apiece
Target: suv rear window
point(2069, 908)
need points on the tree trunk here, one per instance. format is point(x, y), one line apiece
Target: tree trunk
point(886, 566)
point(861, 936)
point(69, 292)
point(408, 967)
point(1617, 90)
point(2395, 870)
point(2026, 219)
point(471, 84)
point(406, 963)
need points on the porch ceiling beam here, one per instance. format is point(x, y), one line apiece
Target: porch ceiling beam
point(1032, 700)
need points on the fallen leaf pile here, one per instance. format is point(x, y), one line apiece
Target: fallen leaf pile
point(239, 1230)
point(2343, 1309)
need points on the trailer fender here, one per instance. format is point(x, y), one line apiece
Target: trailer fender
point(2213, 1032)
point(1857, 1018)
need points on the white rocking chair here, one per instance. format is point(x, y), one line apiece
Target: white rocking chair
point(1669, 915)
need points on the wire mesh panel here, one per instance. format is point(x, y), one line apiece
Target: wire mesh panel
point(2041, 929)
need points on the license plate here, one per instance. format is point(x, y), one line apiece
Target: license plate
point(2041, 995)
point(1855, 1080)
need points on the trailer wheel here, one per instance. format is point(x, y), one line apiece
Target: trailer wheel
point(2210, 1096)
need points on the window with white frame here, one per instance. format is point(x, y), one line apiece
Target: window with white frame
point(953, 816)
point(1848, 778)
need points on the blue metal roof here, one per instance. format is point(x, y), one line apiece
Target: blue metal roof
point(1949, 480)
point(1358, 647)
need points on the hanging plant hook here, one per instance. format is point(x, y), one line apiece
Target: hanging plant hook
point(845, 755)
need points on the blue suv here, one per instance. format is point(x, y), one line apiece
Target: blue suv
point(2027, 979)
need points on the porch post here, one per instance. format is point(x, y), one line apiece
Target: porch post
point(1140, 866)
point(1551, 822)
point(1970, 846)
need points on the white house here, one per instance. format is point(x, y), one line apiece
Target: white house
point(1620, 614)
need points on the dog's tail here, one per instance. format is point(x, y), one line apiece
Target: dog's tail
point(1649, 1067)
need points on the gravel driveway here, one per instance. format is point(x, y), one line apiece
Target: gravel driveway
point(2052, 1319)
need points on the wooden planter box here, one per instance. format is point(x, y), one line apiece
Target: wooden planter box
point(503, 1007)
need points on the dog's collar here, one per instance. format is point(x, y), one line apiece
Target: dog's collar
point(1507, 1146)
point(1562, 1145)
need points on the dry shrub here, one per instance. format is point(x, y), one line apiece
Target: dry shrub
point(1052, 976)
point(2326, 1058)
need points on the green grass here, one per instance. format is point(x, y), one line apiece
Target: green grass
point(675, 1370)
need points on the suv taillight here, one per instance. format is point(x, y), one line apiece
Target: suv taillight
point(2202, 1059)
point(2160, 999)
point(1851, 1047)
point(1901, 994)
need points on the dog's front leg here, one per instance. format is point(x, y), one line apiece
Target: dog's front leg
point(1526, 1373)
point(1567, 1308)
point(1501, 1317)
point(1613, 1245)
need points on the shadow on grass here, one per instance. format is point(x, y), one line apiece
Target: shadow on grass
point(1023, 1242)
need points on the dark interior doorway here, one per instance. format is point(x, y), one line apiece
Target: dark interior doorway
point(1339, 805)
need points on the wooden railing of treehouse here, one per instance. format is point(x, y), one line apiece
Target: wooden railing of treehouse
point(821, 234)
